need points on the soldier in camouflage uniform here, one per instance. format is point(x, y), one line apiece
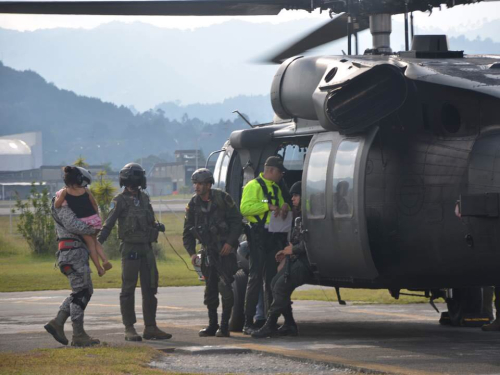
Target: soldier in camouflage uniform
point(295, 272)
point(213, 219)
point(137, 229)
point(73, 261)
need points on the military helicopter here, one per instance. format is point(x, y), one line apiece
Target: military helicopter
point(390, 147)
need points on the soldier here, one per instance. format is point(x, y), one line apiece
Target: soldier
point(296, 272)
point(495, 326)
point(262, 197)
point(73, 261)
point(213, 219)
point(137, 229)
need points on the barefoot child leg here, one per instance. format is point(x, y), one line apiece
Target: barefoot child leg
point(90, 242)
point(100, 251)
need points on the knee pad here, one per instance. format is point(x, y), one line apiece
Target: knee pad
point(81, 298)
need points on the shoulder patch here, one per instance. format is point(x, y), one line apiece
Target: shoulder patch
point(187, 207)
point(112, 205)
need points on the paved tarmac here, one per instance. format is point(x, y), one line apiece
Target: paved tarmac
point(400, 339)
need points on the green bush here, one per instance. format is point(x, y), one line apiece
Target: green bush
point(103, 191)
point(35, 221)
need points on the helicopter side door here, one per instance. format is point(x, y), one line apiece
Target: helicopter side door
point(333, 207)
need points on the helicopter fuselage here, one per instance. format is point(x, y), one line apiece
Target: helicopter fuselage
point(385, 147)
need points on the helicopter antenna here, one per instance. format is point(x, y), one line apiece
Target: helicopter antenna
point(243, 117)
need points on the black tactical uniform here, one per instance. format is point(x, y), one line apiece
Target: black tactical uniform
point(296, 272)
point(216, 222)
point(137, 230)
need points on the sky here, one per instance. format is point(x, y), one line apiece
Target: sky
point(463, 17)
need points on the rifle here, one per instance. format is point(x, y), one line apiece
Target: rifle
point(205, 238)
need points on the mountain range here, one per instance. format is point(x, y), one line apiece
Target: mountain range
point(141, 65)
point(73, 125)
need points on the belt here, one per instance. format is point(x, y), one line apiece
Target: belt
point(69, 244)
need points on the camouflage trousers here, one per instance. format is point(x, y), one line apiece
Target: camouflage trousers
point(75, 265)
point(214, 284)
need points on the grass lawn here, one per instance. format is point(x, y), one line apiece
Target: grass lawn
point(98, 360)
point(358, 296)
point(21, 271)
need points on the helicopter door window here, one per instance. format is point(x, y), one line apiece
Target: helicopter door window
point(343, 178)
point(316, 180)
point(221, 170)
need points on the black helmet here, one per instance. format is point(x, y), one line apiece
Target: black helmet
point(296, 188)
point(133, 175)
point(202, 175)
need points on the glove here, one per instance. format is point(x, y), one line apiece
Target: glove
point(160, 227)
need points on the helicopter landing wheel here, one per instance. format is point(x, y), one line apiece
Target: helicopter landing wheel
point(467, 308)
point(239, 290)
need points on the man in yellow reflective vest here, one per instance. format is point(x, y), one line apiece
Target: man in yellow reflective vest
point(262, 197)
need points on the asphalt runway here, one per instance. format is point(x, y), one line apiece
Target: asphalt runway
point(395, 339)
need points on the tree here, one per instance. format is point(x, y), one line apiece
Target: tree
point(35, 221)
point(80, 162)
point(103, 191)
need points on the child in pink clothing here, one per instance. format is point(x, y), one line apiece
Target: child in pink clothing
point(83, 204)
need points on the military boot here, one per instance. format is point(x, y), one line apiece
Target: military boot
point(223, 331)
point(131, 334)
point(212, 327)
point(289, 328)
point(269, 329)
point(80, 337)
point(154, 333)
point(495, 326)
point(56, 327)
point(249, 327)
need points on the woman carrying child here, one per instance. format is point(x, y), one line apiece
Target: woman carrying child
point(79, 199)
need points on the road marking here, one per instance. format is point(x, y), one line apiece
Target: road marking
point(112, 305)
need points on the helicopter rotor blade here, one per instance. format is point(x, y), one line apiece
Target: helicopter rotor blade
point(149, 8)
point(332, 30)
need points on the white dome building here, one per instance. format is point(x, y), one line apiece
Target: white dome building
point(15, 155)
point(17, 152)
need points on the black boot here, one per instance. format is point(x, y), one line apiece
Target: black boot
point(223, 331)
point(269, 329)
point(289, 328)
point(249, 327)
point(212, 327)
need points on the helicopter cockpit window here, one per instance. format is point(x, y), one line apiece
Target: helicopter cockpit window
point(343, 178)
point(316, 180)
point(293, 157)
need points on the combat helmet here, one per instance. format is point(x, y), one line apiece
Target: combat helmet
point(202, 175)
point(83, 177)
point(132, 174)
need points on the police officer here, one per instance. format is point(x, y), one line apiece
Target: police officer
point(73, 261)
point(213, 219)
point(262, 197)
point(137, 229)
point(296, 272)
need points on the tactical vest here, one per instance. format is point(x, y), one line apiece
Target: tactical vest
point(136, 224)
point(212, 216)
